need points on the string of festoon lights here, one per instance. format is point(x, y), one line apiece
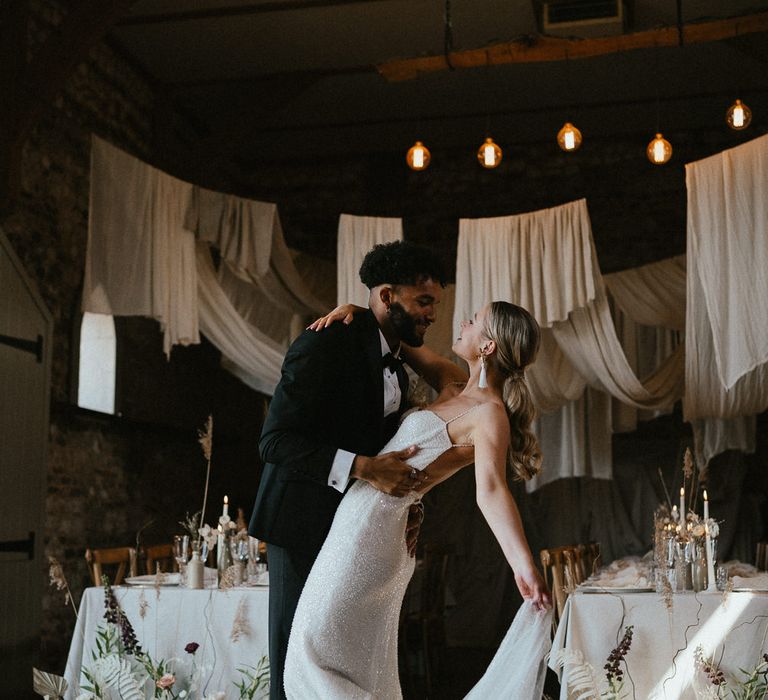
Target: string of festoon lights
point(659, 150)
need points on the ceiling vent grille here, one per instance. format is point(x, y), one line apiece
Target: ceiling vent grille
point(583, 18)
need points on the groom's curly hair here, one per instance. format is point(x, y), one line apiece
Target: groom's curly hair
point(401, 262)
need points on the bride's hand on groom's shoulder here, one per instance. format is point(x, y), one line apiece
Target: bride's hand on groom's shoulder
point(344, 313)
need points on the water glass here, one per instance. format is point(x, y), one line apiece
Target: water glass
point(181, 554)
point(721, 578)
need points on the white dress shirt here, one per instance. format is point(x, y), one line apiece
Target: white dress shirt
point(342, 462)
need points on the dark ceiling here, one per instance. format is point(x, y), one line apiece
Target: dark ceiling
point(255, 80)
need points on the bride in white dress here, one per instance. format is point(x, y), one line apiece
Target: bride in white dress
point(343, 642)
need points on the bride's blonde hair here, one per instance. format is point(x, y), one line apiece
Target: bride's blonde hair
point(517, 338)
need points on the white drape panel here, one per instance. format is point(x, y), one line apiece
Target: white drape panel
point(356, 236)
point(546, 262)
point(255, 358)
point(728, 251)
point(140, 259)
point(652, 295)
point(727, 316)
point(648, 303)
point(248, 234)
point(588, 339)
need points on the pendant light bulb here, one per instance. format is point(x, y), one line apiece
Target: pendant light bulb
point(418, 156)
point(738, 116)
point(569, 137)
point(659, 150)
point(489, 154)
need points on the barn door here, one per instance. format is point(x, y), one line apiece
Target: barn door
point(25, 333)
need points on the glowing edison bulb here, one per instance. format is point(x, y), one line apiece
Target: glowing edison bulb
point(738, 116)
point(489, 154)
point(659, 150)
point(569, 137)
point(417, 156)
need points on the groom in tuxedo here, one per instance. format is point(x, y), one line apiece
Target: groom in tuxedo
point(339, 399)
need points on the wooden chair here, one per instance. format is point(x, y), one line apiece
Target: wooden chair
point(590, 558)
point(561, 573)
point(120, 557)
point(423, 629)
point(160, 555)
point(761, 557)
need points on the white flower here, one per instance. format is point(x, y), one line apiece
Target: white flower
point(713, 527)
point(209, 535)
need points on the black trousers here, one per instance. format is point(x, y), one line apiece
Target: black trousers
point(288, 572)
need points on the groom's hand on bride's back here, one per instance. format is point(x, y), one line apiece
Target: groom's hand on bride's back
point(389, 472)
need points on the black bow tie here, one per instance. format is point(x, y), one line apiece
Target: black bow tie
point(391, 362)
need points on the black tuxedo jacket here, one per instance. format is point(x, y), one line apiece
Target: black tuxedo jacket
point(330, 396)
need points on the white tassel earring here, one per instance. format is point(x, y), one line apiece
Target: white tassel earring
point(483, 382)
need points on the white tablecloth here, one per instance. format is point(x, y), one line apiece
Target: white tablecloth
point(660, 661)
point(172, 618)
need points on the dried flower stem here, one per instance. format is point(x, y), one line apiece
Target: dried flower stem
point(58, 579)
point(664, 486)
point(205, 438)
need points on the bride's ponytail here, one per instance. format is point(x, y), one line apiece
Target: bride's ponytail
point(524, 451)
point(517, 341)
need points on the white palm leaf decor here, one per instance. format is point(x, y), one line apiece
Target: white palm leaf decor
point(583, 683)
point(115, 672)
point(49, 685)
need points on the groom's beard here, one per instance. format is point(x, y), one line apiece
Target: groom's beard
point(406, 326)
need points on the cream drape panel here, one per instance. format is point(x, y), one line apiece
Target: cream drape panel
point(248, 353)
point(545, 261)
point(652, 295)
point(728, 245)
point(356, 236)
point(257, 272)
point(648, 310)
point(727, 315)
point(140, 259)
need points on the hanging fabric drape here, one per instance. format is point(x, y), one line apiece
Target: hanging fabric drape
point(648, 311)
point(257, 269)
point(727, 319)
point(247, 352)
point(141, 261)
point(545, 261)
point(357, 235)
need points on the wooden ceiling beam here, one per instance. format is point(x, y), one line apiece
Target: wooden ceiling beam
point(540, 48)
point(237, 11)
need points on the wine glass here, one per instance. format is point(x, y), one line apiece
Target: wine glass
point(257, 565)
point(181, 552)
point(238, 547)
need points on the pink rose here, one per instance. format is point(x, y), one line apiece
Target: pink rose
point(166, 681)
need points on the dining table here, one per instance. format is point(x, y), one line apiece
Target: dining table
point(226, 629)
point(669, 630)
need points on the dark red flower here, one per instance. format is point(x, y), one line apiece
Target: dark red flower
point(192, 647)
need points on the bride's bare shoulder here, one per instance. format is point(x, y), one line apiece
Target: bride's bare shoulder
point(491, 417)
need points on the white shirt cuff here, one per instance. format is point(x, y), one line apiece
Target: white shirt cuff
point(342, 465)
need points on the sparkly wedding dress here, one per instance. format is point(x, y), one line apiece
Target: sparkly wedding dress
point(343, 643)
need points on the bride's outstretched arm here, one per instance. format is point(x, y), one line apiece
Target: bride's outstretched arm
point(491, 438)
